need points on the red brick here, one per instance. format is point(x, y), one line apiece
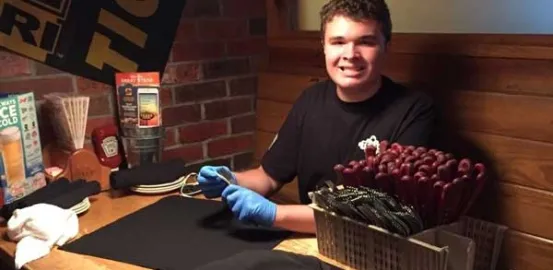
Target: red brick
point(243, 8)
point(226, 68)
point(243, 86)
point(230, 145)
point(180, 73)
point(45, 125)
point(187, 31)
point(86, 86)
point(191, 51)
point(226, 108)
point(247, 47)
point(243, 123)
point(202, 131)
point(99, 105)
point(166, 96)
point(200, 92)
point(42, 69)
point(170, 138)
point(188, 153)
point(13, 65)
point(211, 162)
point(38, 86)
point(181, 114)
point(93, 123)
point(201, 8)
point(222, 28)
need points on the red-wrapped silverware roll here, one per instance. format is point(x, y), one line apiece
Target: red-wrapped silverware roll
point(438, 186)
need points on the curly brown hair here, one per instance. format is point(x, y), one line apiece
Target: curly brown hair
point(358, 10)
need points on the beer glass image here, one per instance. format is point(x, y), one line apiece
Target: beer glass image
point(12, 155)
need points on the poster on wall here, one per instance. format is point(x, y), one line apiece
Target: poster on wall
point(93, 39)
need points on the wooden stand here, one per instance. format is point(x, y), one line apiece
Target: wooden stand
point(81, 164)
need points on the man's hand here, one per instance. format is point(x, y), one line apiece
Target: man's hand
point(248, 205)
point(210, 180)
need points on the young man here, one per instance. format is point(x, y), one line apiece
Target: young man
point(330, 121)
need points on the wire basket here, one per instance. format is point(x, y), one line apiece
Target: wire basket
point(362, 246)
point(487, 236)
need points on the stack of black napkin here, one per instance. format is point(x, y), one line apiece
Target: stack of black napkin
point(62, 193)
point(149, 174)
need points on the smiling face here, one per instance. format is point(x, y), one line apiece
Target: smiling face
point(354, 54)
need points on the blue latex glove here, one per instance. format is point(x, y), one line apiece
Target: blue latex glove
point(249, 206)
point(210, 181)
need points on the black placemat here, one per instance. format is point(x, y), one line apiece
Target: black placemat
point(176, 233)
point(268, 260)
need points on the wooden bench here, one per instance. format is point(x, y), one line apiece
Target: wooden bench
point(495, 96)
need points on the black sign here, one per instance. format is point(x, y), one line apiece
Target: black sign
point(92, 38)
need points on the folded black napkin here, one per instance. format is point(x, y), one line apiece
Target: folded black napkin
point(176, 233)
point(62, 193)
point(75, 195)
point(148, 174)
point(266, 260)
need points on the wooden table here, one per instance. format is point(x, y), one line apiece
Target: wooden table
point(107, 207)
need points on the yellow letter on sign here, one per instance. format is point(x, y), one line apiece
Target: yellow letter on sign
point(99, 53)
point(140, 8)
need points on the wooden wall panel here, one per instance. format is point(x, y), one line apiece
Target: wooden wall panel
point(522, 251)
point(518, 116)
point(452, 72)
point(495, 46)
point(518, 161)
point(282, 87)
point(262, 143)
point(523, 209)
point(271, 114)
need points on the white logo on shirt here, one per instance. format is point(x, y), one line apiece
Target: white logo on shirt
point(273, 142)
point(371, 141)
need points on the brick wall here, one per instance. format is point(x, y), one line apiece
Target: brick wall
point(209, 85)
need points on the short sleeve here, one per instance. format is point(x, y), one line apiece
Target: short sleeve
point(420, 124)
point(281, 159)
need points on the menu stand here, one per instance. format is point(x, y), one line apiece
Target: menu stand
point(79, 164)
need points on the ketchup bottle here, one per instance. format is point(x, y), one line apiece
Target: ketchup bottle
point(106, 145)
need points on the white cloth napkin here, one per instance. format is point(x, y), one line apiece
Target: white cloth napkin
point(37, 228)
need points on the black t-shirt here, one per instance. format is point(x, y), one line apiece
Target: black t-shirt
point(321, 131)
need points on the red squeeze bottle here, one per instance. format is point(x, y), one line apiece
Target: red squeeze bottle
point(106, 145)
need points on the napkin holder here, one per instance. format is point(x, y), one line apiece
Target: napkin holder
point(79, 164)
